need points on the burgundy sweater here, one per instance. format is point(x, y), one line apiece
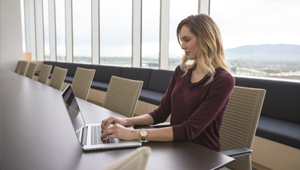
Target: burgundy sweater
point(197, 110)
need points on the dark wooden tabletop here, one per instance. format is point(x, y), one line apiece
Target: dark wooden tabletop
point(36, 133)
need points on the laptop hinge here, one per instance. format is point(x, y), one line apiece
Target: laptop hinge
point(84, 136)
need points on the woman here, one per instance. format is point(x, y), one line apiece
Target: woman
point(197, 94)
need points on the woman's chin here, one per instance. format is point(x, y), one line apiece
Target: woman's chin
point(190, 57)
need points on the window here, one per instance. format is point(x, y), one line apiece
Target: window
point(82, 31)
point(178, 11)
point(150, 33)
point(46, 29)
point(60, 30)
point(23, 26)
point(261, 37)
point(116, 32)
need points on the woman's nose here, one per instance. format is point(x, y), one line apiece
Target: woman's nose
point(183, 46)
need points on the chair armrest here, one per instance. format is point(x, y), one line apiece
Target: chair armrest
point(160, 125)
point(237, 152)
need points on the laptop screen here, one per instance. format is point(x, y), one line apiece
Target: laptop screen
point(74, 111)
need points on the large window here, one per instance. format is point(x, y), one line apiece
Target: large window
point(68, 31)
point(261, 37)
point(178, 11)
point(116, 32)
point(60, 30)
point(82, 31)
point(150, 33)
point(46, 29)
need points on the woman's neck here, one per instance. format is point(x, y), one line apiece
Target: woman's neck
point(198, 69)
point(197, 74)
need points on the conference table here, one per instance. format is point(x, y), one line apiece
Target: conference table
point(36, 133)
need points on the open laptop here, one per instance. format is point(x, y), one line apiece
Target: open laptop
point(89, 135)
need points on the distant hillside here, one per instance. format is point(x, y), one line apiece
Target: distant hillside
point(171, 55)
point(265, 52)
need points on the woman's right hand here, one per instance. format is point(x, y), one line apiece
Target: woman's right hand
point(112, 120)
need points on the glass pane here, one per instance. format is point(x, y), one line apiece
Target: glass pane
point(82, 31)
point(60, 30)
point(261, 37)
point(115, 32)
point(178, 11)
point(23, 27)
point(150, 33)
point(46, 30)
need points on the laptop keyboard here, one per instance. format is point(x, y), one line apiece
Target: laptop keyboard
point(96, 136)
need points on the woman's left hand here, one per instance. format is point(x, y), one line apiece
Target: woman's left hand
point(119, 131)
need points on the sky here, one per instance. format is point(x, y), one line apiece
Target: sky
point(245, 22)
point(241, 22)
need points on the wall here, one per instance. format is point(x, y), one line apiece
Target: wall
point(10, 34)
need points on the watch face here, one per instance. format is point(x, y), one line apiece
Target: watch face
point(143, 132)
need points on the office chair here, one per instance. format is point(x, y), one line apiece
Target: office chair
point(239, 125)
point(31, 70)
point(122, 95)
point(58, 77)
point(82, 82)
point(23, 68)
point(44, 74)
point(17, 70)
point(136, 160)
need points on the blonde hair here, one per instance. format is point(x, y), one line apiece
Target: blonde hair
point(211, 52)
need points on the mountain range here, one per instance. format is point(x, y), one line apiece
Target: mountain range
point(265, 52)
point(285, 52)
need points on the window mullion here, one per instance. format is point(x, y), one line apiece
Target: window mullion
point(164, 34)
point(136, 32)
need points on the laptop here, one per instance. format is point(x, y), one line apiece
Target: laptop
point(89, 135)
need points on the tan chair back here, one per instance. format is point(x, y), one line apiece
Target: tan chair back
point(23, 68)
point(17, 70)
point(39, 64)
point(58, 77)
point(44, 74)
point(135, 160)
point(31, 70)
point(82, 82)
point(122, 95)
point(240, 122)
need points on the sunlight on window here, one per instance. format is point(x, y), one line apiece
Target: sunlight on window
point(178, 11)
point(150, 33)
point(23, 26)
point(116, 32)
point(261, 37)
point(82, 31)
point(60, 30)
point(46, 30)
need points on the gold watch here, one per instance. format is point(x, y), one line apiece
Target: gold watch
point(143, 134)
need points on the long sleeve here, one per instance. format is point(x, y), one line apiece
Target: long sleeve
point(161, 114)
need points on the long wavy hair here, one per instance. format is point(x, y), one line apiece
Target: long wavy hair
point(211, 52)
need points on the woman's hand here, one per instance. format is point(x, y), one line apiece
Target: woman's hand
point(119, 131)
point(112, 120)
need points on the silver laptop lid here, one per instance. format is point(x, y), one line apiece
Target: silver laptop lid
point(74, 113)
